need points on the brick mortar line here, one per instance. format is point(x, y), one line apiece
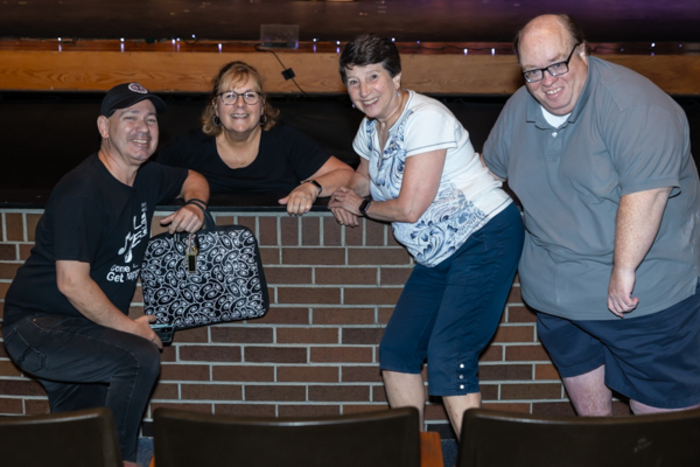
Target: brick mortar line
point(172, 401)
point(320, 306)
point(300, 231)
point(294, 326)
point(503, 363)
point(329, 266)
point(510, 344)
point(265, 402)
point(6, 396)
point(335, 383)
point(278, 231)
point(21, 210)
point(285, 345)
point(528, 362)
point(321, 231)
point(25, 232)
point(279, 383)
point(516, 324)
point(525, 401)
point(519, 382)
point(335, 286)
point(236, 213)
point(32, 398)
point(335, 247)
point(273, 365)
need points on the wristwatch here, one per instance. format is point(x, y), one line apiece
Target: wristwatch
point(316, 184)
point(364, 206)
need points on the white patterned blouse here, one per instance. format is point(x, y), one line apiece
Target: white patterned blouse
point(468, 196)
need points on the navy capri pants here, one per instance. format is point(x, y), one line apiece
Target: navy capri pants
point(450, 312)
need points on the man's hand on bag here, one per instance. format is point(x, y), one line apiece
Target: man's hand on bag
point(188, 218)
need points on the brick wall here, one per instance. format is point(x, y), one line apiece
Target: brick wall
point(332, 291)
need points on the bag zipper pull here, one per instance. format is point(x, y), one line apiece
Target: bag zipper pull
point(191, 254)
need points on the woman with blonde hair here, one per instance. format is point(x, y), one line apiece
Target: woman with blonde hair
point(243, 149)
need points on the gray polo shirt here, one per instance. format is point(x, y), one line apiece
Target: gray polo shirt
point(624, 135)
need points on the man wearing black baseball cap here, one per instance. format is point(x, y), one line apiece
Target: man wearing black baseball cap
point(66, 313)
point(126, 95)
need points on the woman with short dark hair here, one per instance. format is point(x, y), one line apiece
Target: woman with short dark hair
point(418, 170)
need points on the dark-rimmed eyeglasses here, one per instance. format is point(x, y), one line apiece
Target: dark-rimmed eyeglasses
point(555, 69)
point(231, 97)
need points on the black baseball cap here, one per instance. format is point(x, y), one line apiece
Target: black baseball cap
point(127, 94)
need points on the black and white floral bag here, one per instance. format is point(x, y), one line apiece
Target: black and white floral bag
point(213, 276)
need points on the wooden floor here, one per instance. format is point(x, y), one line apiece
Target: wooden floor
point(407, 20)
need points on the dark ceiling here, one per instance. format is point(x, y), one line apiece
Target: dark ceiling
point(407, 20)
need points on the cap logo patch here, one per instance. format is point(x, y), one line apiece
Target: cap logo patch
point(136, 87)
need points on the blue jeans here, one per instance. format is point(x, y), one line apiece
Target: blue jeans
point(450, 312)
point(82, 365)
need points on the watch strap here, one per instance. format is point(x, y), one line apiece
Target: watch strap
point(316, 184)
point(364, 206)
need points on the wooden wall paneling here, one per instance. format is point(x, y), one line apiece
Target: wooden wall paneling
point(455, 74)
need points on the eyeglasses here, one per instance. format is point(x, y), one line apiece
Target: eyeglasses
point(231, 97)
point(556, 69)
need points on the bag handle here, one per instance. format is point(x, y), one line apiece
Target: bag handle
point(209, 223)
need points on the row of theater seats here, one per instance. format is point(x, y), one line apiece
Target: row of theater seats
point(388, 438)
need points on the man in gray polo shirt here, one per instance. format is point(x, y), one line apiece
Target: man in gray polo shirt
point(600, 159)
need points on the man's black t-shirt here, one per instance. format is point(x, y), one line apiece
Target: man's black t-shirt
point(94, 218)
point(285, 158)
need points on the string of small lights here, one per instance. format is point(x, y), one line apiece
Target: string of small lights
point(406, 47)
